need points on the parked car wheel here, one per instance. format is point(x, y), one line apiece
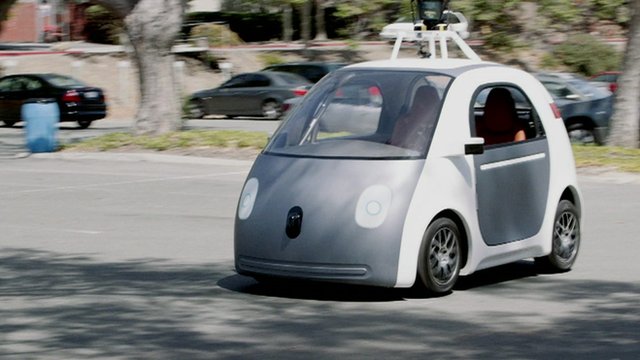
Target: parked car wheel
point(566, 239)
point(439, 259)
point(271, 110)
point(84, 124)
point(9, 123)
point(581, 134)
point(195, 109)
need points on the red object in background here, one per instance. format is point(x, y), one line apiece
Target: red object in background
point(300, 92)
point(609, 77)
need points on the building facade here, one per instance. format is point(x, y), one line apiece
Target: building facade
point(44, 20)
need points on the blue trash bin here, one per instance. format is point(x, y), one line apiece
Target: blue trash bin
point(41, 117)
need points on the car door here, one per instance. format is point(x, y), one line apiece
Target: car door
point(512, 177)
point(12, 95)
point(253, 95)
point(222, 99)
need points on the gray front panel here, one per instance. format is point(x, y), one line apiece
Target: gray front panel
point(331, 245)
point(512, 189)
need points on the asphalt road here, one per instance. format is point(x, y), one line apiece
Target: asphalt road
point(126, 256)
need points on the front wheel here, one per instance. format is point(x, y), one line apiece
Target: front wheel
point(84, 124)
point(195, 109)
point(271, 110)
point(565, 241)
point(439, 259)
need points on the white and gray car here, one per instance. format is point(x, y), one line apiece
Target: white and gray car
point(392, 173)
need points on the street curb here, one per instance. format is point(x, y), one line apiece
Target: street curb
point(144, 157)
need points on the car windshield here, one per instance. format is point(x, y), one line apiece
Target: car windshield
point(64, 81)
point(372, 114)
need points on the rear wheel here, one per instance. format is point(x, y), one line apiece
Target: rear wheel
point(566, 239)
point(271, 110)
point(439, 261)
point(83, 124)
point(582, 134)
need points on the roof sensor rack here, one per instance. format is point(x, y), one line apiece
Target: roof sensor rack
point(426, 41)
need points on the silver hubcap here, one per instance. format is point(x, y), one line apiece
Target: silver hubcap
point(443, 255)
point(269, 110)
point(565, 236)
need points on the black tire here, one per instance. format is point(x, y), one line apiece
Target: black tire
point(565, 239)
point(195, 109)
point(84, 124)
point(440, 258)
point(8, 123)
point(580, 133)
point(271, 110)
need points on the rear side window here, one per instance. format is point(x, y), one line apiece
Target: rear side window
point(64, 81)
point(292, 79)
point(504, 115)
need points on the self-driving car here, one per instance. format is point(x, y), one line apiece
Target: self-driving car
point(409, 172)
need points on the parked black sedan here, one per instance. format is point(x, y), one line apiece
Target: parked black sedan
point(77, 101)
point(249, 94)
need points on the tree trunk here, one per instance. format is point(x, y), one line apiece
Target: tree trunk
point(287, 23)
point(624, 125)
point(152, 27)
point(306, 21)
point(321, 31)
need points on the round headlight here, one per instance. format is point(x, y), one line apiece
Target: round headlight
point(373, 206)
point(248, 199)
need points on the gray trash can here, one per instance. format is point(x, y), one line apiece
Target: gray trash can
point(41, 117)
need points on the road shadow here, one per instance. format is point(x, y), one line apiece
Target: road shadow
point(55, 306)
point(322, 291)
point(309, 290)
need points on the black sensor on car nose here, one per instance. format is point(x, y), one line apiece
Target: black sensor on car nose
point(294, 222)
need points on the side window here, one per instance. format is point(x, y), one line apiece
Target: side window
point(258, 81)
point(503, 115)
point(5, 85)
point(32, 84)
point(236, 82)
point(13, 84)
point(558, 90)
point(313, 73)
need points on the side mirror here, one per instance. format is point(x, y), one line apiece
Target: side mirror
point(474, 146)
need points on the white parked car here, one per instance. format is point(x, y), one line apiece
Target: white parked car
point(412, 171)
point(456, 20)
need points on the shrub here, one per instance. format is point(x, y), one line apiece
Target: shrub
point(270, 58)
point(102, 26)
point(216, 35)
point(587, 55)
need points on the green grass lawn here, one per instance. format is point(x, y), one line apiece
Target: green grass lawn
point(173, 140)
point(621, 159)
point(586, 156)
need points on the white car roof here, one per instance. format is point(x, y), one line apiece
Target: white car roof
point(454, 66)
